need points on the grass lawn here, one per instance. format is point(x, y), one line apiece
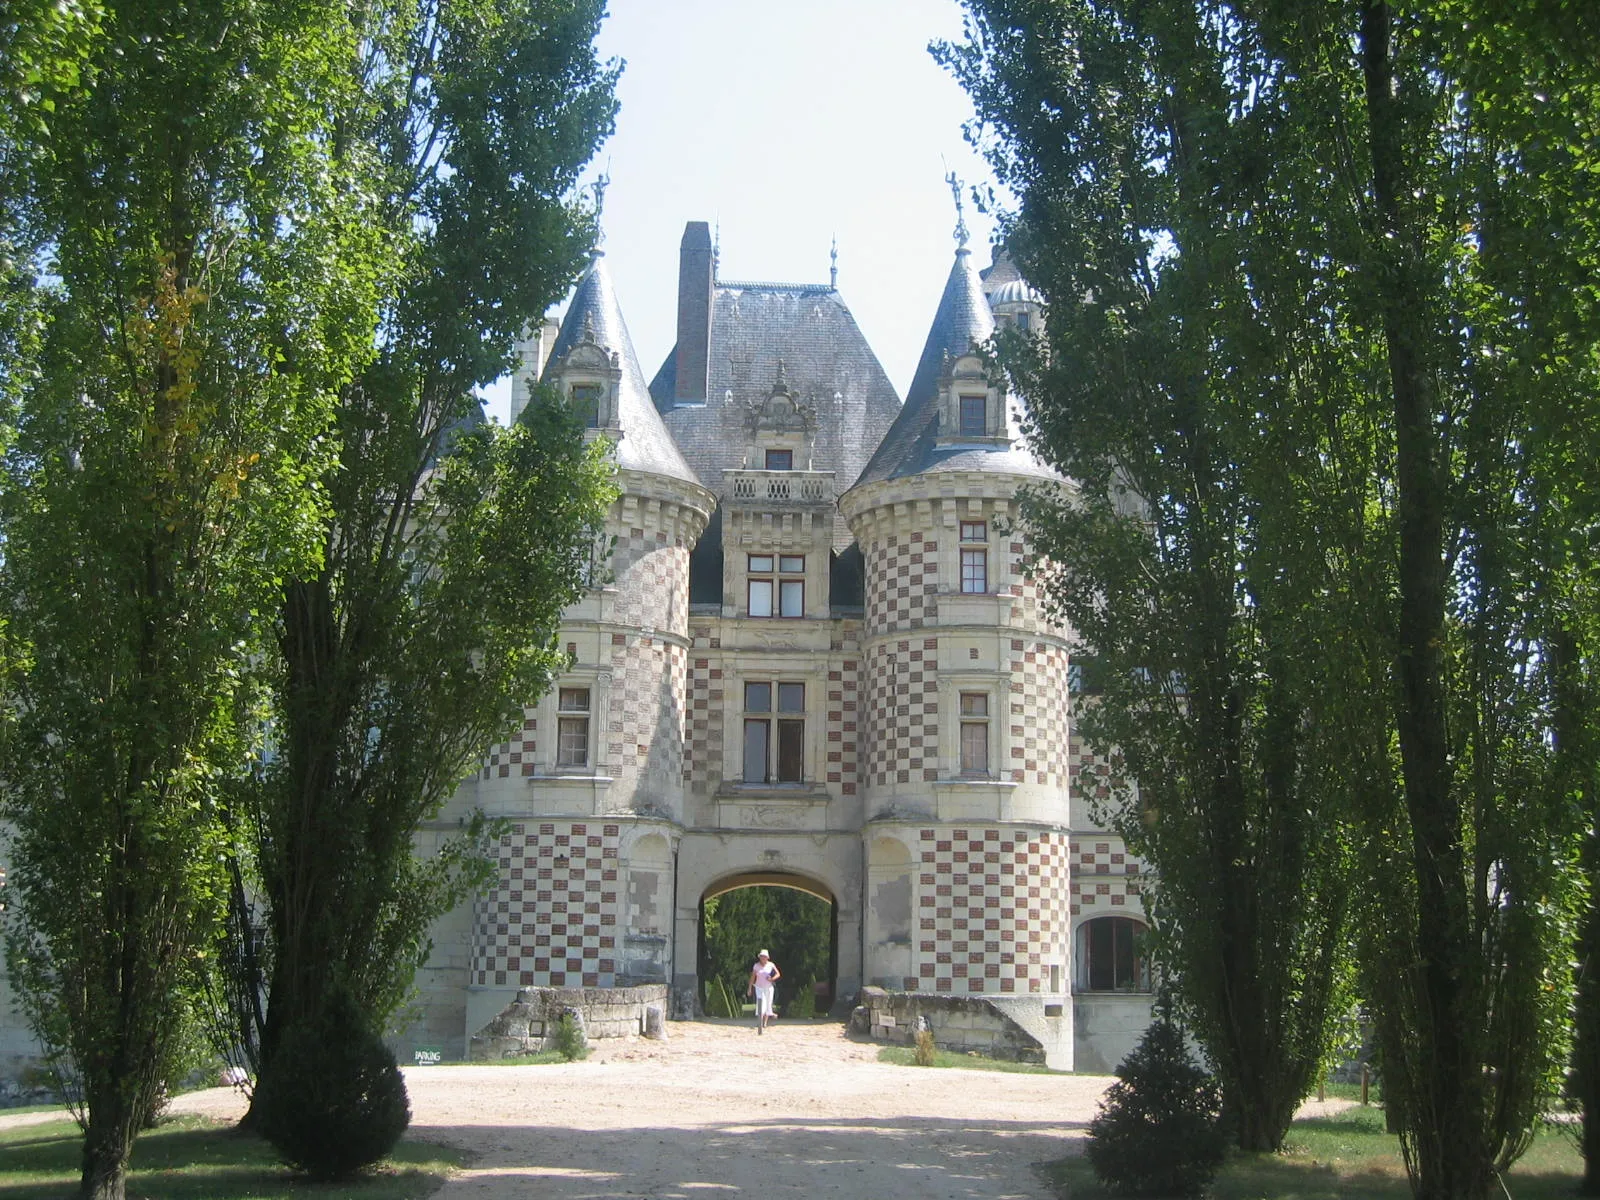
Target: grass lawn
point(1344, 1157)
point(905, 1056)
point(189, 1158)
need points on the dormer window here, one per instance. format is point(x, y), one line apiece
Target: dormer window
point(974, 416)
point(780, 460)
point(585, 400)
point(971, 404)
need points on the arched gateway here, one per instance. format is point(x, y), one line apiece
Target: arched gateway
point(814, 655)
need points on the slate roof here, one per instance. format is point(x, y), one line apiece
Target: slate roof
point(645, 444)
point(827, 364)
point(961, 321)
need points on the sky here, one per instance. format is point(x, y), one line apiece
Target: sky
point(786, 125)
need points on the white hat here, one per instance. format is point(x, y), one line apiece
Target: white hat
point(763, 954)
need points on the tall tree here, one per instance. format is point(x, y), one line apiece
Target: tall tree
point(1208, 559)
point(172, 259)
point(1426, 168)
point(450, 548)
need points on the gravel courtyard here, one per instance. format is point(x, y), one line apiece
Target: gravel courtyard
point(800, 1111)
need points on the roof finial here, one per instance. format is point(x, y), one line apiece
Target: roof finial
point(833, 268)
point(782, 384)
point(961, 220)
point(601, 183)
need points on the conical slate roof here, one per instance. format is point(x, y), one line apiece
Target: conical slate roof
point(645, 444)
point(962, 321)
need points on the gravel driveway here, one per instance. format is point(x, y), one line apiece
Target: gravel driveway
point(800, 1111)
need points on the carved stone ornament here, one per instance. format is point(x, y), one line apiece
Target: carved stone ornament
point(781, 411)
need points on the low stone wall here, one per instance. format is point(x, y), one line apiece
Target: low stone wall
point(528, 1023)
point(958, 1023)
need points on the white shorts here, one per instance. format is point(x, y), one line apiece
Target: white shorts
point(764, 1002)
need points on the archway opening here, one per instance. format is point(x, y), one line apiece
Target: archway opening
point(790, 916)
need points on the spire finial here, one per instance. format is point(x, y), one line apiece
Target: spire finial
point(601, 183)
point(961, 220)
point(833, 260)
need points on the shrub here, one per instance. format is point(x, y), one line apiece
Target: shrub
point(923, 1049)
point(570, 1040)
point(333, 1100)
point(1158, 1130)
point(803, 1003)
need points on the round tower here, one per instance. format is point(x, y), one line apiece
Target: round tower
point(592, 786)
point(964, 767)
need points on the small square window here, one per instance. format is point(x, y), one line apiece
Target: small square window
point(760, 562)
point(780, 460)
point(758, 697)
point(791, 697)
point(974, 531)
point(791, 564)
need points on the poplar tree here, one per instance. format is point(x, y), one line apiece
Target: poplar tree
point(1362, 234)
point(179, 275)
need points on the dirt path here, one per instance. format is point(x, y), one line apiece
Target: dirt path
point(800, 1111)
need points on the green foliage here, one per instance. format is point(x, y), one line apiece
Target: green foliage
point(1158, 1131)
point(335, 1102)
point(449, 547)
point(802, 1001)
point(1320, 352)
point(719, 1000)
point(569, 1040)
point(174, 283)
point(923, 1049)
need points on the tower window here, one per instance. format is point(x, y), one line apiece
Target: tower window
point(974, 416)
point(974, 733)
point(586, 403)
point(774, 739)
point(780, 460)
point(777, 585)
point(572, 727)
point(975, 556)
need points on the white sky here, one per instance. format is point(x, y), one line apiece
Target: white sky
point(788, 123)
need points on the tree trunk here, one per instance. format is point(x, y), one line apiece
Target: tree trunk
point(1449, 1155)
point(107, 1144)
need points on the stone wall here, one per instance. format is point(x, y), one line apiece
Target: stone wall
point(528, 1023)
point(958, 1023)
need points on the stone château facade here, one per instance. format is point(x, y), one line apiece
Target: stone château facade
point(815, 660)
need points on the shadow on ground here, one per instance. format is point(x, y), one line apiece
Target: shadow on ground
point(870, 1159)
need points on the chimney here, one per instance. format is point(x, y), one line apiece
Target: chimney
point(694, 312)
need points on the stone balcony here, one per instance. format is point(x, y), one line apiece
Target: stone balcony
point(778, 489)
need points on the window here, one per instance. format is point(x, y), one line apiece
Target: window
point(586, 403)
point(1110, 956)
point(974, 416)
point(780, 460)
point(777, 578)
point(975, 558)
point(774, 742)
point(572, 727)
point(974, 733)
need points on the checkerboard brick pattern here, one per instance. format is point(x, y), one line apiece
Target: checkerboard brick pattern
point(993, 910)
point(652, 581)
point(1029, 612)
point(843, 725)
point(648, 676)
point(1106, 879)
point(1040, 713)
point(703, 725)
point(902, 694)
point(902, 582)
point(1091, 772)
point(551, 921)
point(516, 756)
